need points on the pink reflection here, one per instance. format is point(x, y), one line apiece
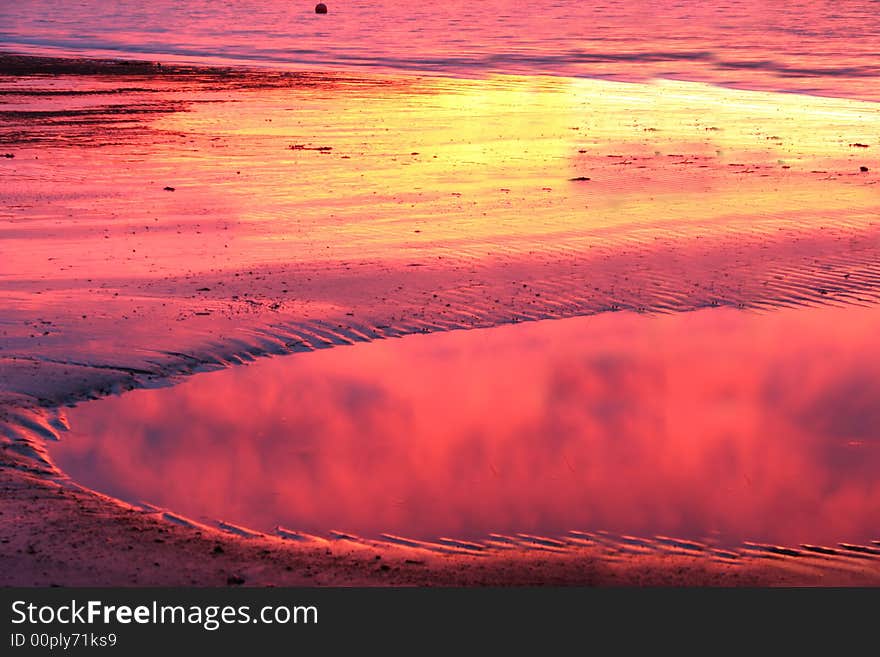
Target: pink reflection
point(810, 46)
point(717, 423)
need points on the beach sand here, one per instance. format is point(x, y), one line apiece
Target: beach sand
point(160, 221)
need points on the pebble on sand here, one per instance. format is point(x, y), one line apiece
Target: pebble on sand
point(863, 169)
point(320, 8)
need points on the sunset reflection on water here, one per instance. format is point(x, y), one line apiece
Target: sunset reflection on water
point(718, 425)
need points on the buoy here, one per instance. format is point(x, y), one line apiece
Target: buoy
point(321, 8)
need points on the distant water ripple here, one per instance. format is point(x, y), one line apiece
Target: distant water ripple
point(809, 47)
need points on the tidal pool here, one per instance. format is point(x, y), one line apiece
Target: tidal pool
point(718, 425)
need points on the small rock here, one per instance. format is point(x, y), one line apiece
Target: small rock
point(168, 189)
point(863, 169)
point(8, 156)
point(235, 580)
point(579, 179)
point(218, 549)
point(321, 8)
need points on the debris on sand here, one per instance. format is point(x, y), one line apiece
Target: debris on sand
point(579, 179)
point(863, 169)
point(168, 189)
point(303, 147)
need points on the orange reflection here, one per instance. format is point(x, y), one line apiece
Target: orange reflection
point(719, 424)
point(430, 168)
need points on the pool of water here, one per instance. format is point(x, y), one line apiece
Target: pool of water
point(718, 425)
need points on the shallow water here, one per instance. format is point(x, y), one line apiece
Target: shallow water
point(715, 425)
point(812, 46)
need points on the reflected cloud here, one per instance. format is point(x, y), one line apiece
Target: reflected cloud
point(716, 424)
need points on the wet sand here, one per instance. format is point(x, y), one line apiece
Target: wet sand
point(159, 221)
point(57, 536)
